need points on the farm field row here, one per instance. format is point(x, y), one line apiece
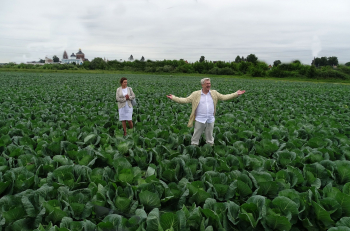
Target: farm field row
point(281, 159)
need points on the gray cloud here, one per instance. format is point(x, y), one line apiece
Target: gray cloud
point(164, 29)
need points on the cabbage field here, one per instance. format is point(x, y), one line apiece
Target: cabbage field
point(281, 159)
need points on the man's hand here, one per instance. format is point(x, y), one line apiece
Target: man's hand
point(127, 96)
point(239, 92)
point(170, 96)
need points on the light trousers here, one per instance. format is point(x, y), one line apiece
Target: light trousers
point(198, 130)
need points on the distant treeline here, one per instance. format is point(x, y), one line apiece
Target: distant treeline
point(321, 68)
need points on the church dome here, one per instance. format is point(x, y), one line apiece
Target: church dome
point(80, 55)
point(79, 52)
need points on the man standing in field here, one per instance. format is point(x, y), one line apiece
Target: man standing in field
point(203, 110)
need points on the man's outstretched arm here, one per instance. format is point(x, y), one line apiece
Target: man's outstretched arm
point(230, 96)
point(180, 100)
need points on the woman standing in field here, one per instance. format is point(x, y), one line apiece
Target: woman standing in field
point(124, 96)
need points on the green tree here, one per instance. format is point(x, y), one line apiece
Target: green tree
point(98, 63)
point(256, 71)
point(220, 64)
point(317, 62)
point(234, 66)
point(238, 59)
point(114, 64)
point(243, 67)
point(202, 59)
point(262, 65)
point(347, 64)
point(276, 63)
point(186, 68)
point(41, 61)
point(333, 61)
point(86, 65)
point(225, 71)
point(55, 59)
point(138, 65)
point(311, 72)
point(323, 61)
point(252, 58)
point(199, 67)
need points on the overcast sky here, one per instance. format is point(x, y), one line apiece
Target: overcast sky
point(173, 29)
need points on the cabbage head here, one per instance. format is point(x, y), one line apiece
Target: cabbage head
point(123, 148)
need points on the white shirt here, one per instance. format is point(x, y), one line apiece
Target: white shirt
point(125, 91)
point(205, 109)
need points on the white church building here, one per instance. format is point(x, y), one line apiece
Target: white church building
point(78, 59)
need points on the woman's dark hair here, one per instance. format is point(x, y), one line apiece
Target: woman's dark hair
point(122, 80)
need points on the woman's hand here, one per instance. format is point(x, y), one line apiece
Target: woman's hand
point(127, 96)
point(170, 96)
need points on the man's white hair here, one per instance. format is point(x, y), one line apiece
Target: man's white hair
point(205, 79)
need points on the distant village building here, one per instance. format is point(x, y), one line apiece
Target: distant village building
point(77, 58)
point(35, 63)
point(48, 60)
